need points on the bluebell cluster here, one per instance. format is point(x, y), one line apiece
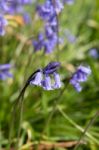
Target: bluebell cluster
point(13, 6)
point(80, 76)
point(4, 71)
point(48, 77)
point(49, 12)
point(43, 77)
point(48, 40)
point(10, 7)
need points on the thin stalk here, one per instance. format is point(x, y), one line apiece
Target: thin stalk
point(29, 60)
point(57, 100)
point(14, 113)
point(77, 126)
point(86, 129)
point(1, 48)
point(16, 105)
point(0, 138)
point(20, 122)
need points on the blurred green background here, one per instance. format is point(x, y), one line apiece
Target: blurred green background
point(60, 115)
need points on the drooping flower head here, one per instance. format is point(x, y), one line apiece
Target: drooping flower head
point(37, 78)
point(43, 79)
point(4, 71)
point(79, 76)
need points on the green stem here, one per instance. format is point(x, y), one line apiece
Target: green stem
point(84, 131)
point(20, 122)
point(57, 100)
point(14, 113)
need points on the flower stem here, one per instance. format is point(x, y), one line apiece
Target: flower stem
point(86, 129)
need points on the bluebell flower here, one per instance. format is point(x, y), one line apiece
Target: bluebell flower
point(70, 37)
point(46, 83)
point(26, 17)
point(43, 77)
point(58, 5)
point(4, 71)
point(39, 44)
point(13, 6)
point(49, 45)
point(48, 42)
point(48, 12)
point(49, 8)
point(76, 85)
point(52, 23)
point(94, 53)
point(10, 7)
point(51, 39)
point(57, 80)
point(24, 2)
point(69, 2)
point(49, 31)
point(3, 6)
point(79, 76)
point(51, 68)
point(3, 23)
point(37, 79)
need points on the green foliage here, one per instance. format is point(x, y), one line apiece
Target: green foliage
point(49, 115)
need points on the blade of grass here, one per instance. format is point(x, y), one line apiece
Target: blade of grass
point(84, 131)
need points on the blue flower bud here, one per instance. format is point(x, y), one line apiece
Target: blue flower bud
point(51, 68)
